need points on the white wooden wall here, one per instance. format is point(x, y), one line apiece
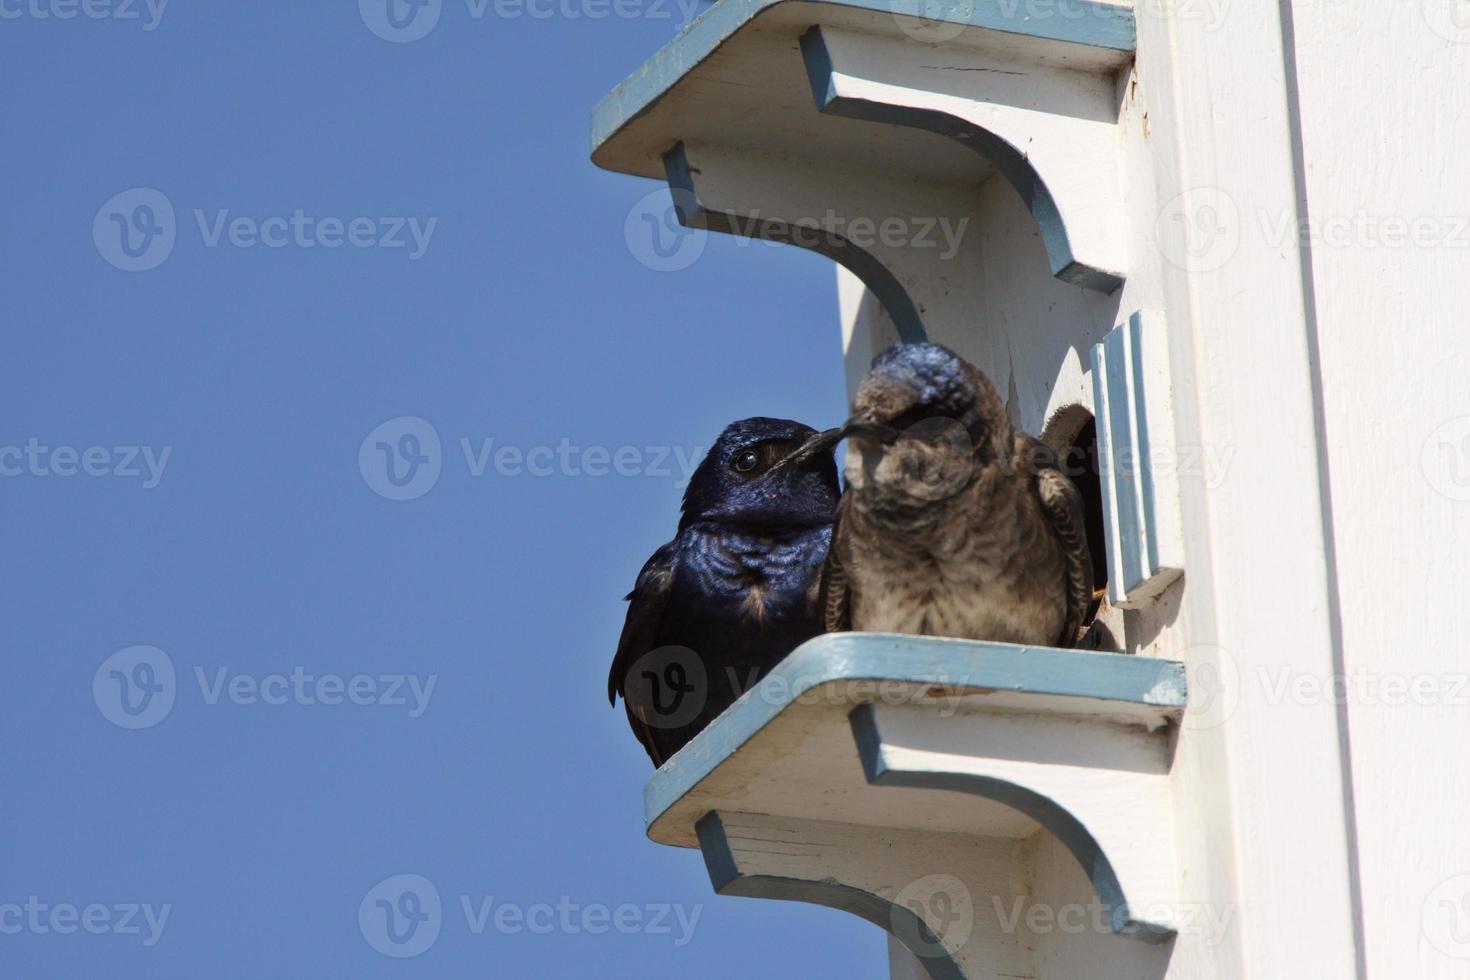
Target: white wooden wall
point(1385, 108)
point(1327, 373)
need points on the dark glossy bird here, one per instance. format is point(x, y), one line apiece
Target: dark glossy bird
point(953, 523)
point(735, 590)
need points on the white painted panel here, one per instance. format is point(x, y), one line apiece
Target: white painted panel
point(1385, 109)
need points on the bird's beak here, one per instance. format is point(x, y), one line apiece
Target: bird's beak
point(822, 442)
point(825, 442)
point(868, 429)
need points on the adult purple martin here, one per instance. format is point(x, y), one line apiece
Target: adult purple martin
point(736, 590)
point(953, 523)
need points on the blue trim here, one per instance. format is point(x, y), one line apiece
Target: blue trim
point(1105, 467)
point(1044, 810)
point(896, 920)
point(875, 275)
point(1125, 460)
point(1098, 25)
point(917, 660)
point(1145, 454)
point(1010, 161)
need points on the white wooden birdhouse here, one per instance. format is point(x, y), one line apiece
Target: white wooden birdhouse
point(1077, 196)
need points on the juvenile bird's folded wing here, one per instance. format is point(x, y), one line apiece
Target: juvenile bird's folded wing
point(1062, 503)
point(836, 605)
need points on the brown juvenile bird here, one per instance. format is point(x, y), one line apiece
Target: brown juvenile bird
point(952, 524)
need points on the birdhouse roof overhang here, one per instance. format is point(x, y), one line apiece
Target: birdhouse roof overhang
point(735, 76)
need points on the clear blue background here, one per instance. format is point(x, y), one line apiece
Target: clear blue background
point(529, 320)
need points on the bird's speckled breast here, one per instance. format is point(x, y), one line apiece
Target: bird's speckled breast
point(984, 565)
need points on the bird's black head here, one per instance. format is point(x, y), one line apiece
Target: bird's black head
point(739, 482)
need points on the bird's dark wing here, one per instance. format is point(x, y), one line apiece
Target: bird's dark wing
point(836, 606)
point(1062, 503)
point(646, 605)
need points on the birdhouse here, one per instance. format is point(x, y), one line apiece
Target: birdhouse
point(1063, 192)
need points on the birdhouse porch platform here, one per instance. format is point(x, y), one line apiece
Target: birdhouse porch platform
point(936, 788)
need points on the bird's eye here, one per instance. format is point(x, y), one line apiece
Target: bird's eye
point(746, 460)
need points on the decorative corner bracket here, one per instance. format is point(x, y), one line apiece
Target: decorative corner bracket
point(1050, 134)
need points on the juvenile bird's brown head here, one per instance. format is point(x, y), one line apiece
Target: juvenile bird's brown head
point(923, 419)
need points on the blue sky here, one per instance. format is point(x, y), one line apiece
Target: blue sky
point(336, 241)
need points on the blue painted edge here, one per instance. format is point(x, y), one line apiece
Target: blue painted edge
point(1099, 25)
point(727, 879)
point(1011, 162)
point(1100, 414)
point(883, 284)
point(1125, 461)
point(919, 660)
point(1044, 810)
point(1145, 454)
